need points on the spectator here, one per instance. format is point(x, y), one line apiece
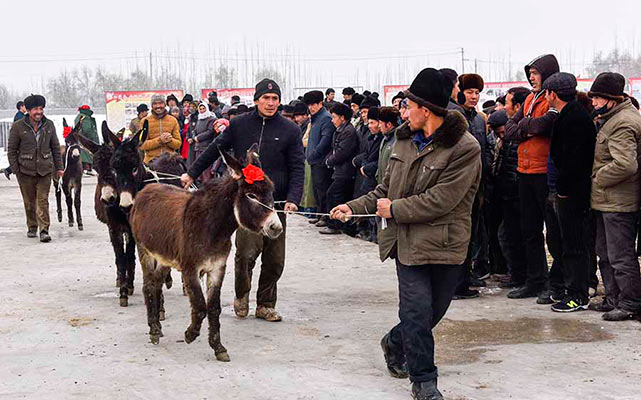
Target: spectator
point(572, 151)
point(142, 111)
point(344, 148)
point(453, 102)
point(363, 135)
point(163, 135)
point(532, 127)
point(329, 98)
point(88, 129)
point(616, 191)
point(191, 132)
point(500, 103)
point(488, 107)
point(214, 105)
point(388, 118)
point(203, 135)
point(318, 148)
point(355, 105)
point(288, 112)
point(301, 115)
point(172, 101)
point(348, 92)
point(176, 113)
point(396, 100)
point(403, 110)
point(34, 154)
point(22, 111)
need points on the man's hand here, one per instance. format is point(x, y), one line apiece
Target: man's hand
point(186, 180)
point(341, 212)
point(190, 140)
point(290, 207)
point(60, 173)
point(383, 207)
point(165, 137)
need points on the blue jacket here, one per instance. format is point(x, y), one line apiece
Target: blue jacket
point(320, 137)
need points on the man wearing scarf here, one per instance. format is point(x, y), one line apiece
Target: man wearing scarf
point(164, 133)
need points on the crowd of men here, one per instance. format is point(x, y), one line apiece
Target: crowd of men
point(460, 192)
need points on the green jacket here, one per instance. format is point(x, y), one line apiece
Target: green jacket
point(432, 192)
point(616, 179)
point(34, 153)
point(89, 130)
point(387, 146)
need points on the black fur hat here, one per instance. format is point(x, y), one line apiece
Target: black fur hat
point(369, 102)
point(358, 98)
point(34, 100)
point(608, 85)
point(431, 89)
point(373, 113)
point(313, 97)
point(348, 91)
point(342, 110)
point(388, 114)
point(300, 109)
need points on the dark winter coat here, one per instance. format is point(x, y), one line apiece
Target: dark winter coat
point(320, 137)
point(506, 181)
point(280, 149)
point(344, 148)
point(387, 146)
point(572, 151)
point(432, 193)
point(89, 129)
point(34, 153)
point(369, 162)
point(19, 115)
point(204, 132)
point(478, 129)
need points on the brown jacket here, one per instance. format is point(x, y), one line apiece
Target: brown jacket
point(31, 156)
point(616, 178)
point(432, 192)
point(153, 147)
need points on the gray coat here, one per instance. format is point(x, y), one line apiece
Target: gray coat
point(204, 133)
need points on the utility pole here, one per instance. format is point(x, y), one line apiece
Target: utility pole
point(151, 68)
point(462, 60)
point(475, 65)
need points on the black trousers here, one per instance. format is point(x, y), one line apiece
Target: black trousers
point(464, 280)
point(533, 192)
point(615, 235)
point(512, 243)
point(554, 240)
point(425, 293)
point(340, 191)
point(576, 260)
point(498, 262)
point(321, 180)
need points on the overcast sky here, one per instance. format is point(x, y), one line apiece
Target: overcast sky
point(37, 33)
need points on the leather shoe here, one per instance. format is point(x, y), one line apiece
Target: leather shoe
point(396, 367)
point(426, 391)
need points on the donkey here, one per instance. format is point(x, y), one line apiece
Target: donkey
point(131, 175)
point(72, 178)
point(191, 232)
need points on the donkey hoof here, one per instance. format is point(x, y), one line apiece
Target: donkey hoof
point(241, 306)
point(81, 228)
point(161, 316)
point(155, 339)
point(124, 302)
point(190, 336)
point(169, 282)
point(130, 291)
point(71, 224)
point(59, 218)
point(223, 356)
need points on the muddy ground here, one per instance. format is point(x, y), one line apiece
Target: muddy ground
point(63, 334)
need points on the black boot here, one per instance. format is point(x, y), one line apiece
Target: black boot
point(396, 366)
point(7, 172)
point(44, 236)
point(426, 391)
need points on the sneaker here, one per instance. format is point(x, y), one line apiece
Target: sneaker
point(329, 231)
point(396, 367)
point(314, 221)
point(466, 294)
point(524, 292)
point(570, 305)
point(474, 282)
point(545, 297)
point(618, 315)
point(32, 233)
point(426, 391)
point(602, 306)
point(268, 314)
point(44, 237)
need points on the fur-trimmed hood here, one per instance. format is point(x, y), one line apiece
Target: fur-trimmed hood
point(453, 128)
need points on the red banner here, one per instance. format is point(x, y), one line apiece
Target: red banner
point(121, 105)
point(224, 95)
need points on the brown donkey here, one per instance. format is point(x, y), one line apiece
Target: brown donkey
point(192, 233)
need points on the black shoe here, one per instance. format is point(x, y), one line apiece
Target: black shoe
point(474, 282)
point(314, 221)
point(7, 173)
point(558, 296)
point(44, 237)
point(523, 292)
point(602, 306)
point(510, 284)
point(545, 297)
point(329, 231)
point(426, 391)
point(466, 294)
point(32, 233)
point(481, 271)
point(570, 305)
point(396, 368)
point(618, 315)
point(321, 224)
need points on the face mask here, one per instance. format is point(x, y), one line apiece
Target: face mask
point(601, 111)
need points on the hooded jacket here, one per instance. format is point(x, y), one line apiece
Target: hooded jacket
point(532, 125)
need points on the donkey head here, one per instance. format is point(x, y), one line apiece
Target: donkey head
point(72, 153)
point(102, 165)
point(127, 165)
point(254, 203)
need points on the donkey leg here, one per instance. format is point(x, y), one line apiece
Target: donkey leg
point(198, 305)
point(214, 284)
point(151, 291)
point(58, 199)
point(69, 199)
point(130, 256)
point(121, 264)
point(76, 203)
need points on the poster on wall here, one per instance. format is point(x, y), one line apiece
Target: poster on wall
point(224, 95)
point(635, 87)
point(390, 91)
point(121, 105)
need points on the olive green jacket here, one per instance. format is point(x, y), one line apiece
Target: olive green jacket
point(34, 153)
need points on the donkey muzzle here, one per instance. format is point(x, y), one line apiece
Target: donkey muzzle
point(126, 200)
point(273, 227)
point(108, 195)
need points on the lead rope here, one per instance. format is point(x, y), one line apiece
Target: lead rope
point(383, 220)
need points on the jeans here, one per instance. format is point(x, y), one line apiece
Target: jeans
point(425, 293)
point(615, 236)
point(533, 192)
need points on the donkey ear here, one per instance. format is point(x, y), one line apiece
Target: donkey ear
point(86, 143)
point(108, 135)
point(234, 166)
point(252, 155)
point(64, 122)
point(142, 135)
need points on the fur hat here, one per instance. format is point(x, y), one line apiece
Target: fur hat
point(187, 98)
point(431, 89)
point(373, 113)
point(369, 102)
point(34, 100)
point(266, 86)
point(172, 97)
point(142, 107)
point(358, 98)
point(388, 114)
point(348, 91)
point(313, 97)
point(342, 110)
point(398, 95)
point(608, 85)
point(450, 74)
point(287, 110)
point(471, 81)
point(300, 109)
